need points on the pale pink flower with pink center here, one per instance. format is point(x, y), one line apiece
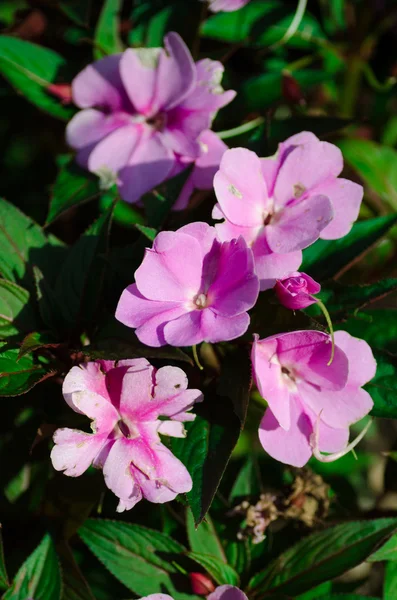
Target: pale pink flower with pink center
point(226, 5)
point(191, 288)
point(311, 402)
point(223, 592)
point(282, 204)
point(296, 291)
point(143, 113)
point(125, 401)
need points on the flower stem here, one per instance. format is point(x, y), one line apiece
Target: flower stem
point(196, 358)
point(228, 133)
point(323, 309)
point(294, 25)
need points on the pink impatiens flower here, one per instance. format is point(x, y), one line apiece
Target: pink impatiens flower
point(226, 5)
point(282, 204)
point(311, 403)
point(125, 402)
point(223, 592)
point(191, 288)
point(143, 113)
point(296, 291)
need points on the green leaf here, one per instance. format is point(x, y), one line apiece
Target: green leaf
point(141, 558)
point(214, 433)
point(342, 300)
point(262, 23)
point(17, 378)
point(23, 243)
point(49, 308)
point(77, 10)
point(79, 284)
point(317, 592)
point(383, 387)
point(73, 186)
point(159, 202)
point(346, 597)
point(321, 556)
point(115, 341)
point(107, 39)
point(376, 165)
point(239, 555)
point(31, 69)
point(204, 539)
point(124, 214)
point(34, 341)
point(39, 577)
point(326, 258)
point(246, 483)
point(149, 232)
point(377, 327)
point(74, 586)
point(386, 552)
point(16, 313)
point(3, 571)
point(219, 571)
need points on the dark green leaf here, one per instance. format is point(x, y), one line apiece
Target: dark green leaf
point(49, 307)
point(159, 202)
point(34, 341)
point(149, 232)
point(124, 214)
point(321, 591)
point(79, 284)
point(219, 571)
point(74, 586)
point(77, 10)
point(73, 186)
point(115, 341)
point(376, 165)
point(321, 556)
point(246, 483)
point(140, 558)
point(342, 300)
point(3, 571)
point(31, 69)
point(107, 39)
point(386, 552)
point(326, 258)
point(19, 377)
point(239, 555)
point(347, 597)
point(39, 577)
point(383, 387)
point(213, 435)
point(16, 313)
point(377, 327)
point(204, 539)
point(23, 244)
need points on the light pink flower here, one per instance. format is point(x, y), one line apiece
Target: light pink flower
point(191, 288)
point(296, 291)
point(143, 112)
point(311, 403)
point(282, 204)
point(124, 400)
point(223, 592)
point(226, 5)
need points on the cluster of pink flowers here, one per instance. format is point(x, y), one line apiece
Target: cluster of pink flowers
point(198, 283)
point(223, 592)
point(146, 115)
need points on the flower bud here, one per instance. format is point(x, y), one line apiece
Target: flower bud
point(63, 91)
point(202, 585)
point(295, 292)
point(291, 89)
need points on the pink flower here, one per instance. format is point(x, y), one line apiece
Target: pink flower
point(226, 5)
point(281, 205)
point(143, 112)
point(311, 403)
point(223, 592)
point(191, 288)
point(296, 291)
point(124, 400)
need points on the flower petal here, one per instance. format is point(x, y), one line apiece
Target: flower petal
point(162, 276)
point(362, 364)
point(185, 330)
point(114, 151)
point(118, 475)
point(227, 592)
point(346, 197)
point(75, 451)
point(240, 188)
point(297, 226)
point(100, 84)
point(218, 328)
point(291, 447)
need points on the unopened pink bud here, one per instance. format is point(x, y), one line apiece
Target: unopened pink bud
point(201, 584)
point(295, 292)
point(63, 91)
